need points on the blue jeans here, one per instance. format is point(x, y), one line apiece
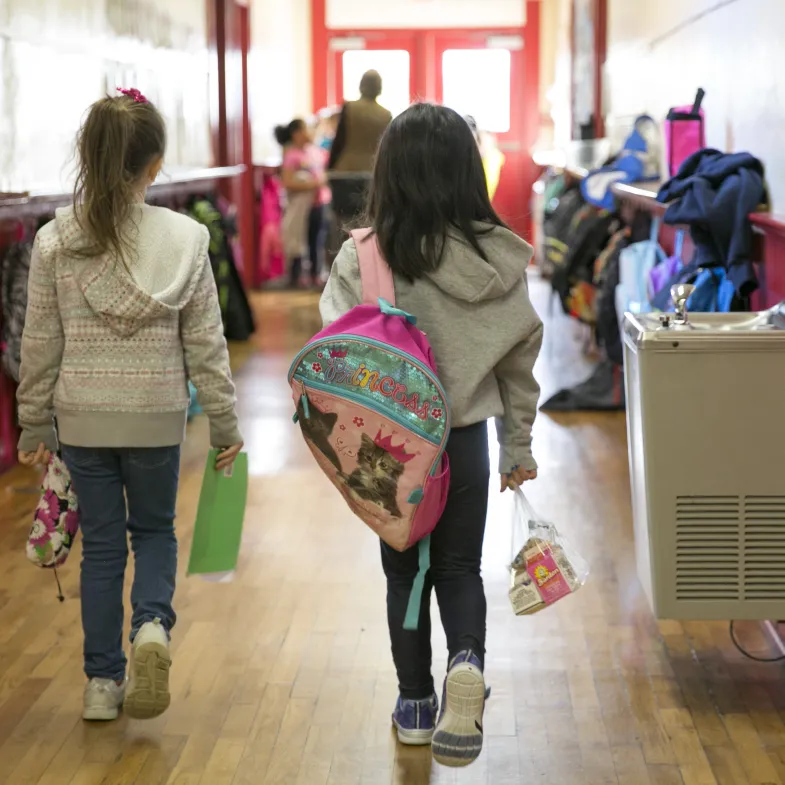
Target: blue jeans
point(119, 490)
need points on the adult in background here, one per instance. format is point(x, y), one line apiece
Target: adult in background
point(353, 150)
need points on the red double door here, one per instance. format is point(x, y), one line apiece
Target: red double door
point(491, 75)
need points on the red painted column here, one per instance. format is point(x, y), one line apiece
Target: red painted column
point(531, 102)
point(230, 40)
point(532, 72)
point(319, 52)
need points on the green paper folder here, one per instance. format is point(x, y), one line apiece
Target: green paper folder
point(219, 519)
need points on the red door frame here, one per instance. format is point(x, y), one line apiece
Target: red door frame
point(425, 79)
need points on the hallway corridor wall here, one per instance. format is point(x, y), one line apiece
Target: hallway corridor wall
point(58, 56)
point(660, 52)
point(280, 69)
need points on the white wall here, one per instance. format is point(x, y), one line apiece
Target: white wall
point(380, 14)
point(58, 56)
point(661, 51)
point(279, 69)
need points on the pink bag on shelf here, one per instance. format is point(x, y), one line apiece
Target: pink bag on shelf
point(685, 133)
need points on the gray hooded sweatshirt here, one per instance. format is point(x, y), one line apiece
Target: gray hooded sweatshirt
point(481, 325)
point(109, 353)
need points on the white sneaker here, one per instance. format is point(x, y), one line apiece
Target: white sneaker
point(102, 699)
point(147, 695)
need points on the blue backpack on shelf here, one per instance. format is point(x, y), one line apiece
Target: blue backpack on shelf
point(714, 292)
point(635, 265)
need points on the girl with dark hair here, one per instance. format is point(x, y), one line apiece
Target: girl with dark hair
point(303, 221)
point(462, 273)
point(122, 311)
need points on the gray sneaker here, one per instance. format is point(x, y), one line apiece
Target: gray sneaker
point(457, 740)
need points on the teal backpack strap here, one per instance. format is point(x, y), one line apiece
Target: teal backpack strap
point(415, 598)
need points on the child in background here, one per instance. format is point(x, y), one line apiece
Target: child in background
point(462, 273)
point(492, 157)
point(307, 193)
point(123, 311)
point(327, 128)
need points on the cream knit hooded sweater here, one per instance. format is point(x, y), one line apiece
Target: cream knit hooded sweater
point(107, 355)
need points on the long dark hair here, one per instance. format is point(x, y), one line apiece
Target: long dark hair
point(285, 133)
point(428, 179)
point(119, 140)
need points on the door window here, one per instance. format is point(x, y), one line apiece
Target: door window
point(476, 82)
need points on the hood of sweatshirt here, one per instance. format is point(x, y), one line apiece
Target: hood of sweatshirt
point(159, 278)
point(465, 275)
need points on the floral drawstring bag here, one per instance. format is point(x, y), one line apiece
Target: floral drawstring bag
point(56, 519)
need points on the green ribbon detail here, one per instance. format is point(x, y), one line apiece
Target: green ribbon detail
point(388, 309)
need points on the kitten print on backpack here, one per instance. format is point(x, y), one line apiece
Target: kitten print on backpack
point(376, 477)
point(317, 426)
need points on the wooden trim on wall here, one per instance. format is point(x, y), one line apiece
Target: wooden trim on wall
point(216, 36)
point(600, 19)
point(601, 46)
point(229, 41)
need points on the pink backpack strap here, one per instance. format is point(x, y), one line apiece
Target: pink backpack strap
point(375, 273)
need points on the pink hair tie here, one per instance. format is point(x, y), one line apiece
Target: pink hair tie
point(135, 94)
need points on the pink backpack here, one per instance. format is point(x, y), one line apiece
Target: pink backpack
point(375, 416)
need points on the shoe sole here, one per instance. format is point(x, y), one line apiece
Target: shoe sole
point(100, 715)
point(413, 738)
point(457, 740)
point(148, 691)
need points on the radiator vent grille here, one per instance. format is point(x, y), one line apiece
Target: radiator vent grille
point(764, 548)
point(708, 555)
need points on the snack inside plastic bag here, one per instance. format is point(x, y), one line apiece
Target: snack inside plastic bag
point(544, 567)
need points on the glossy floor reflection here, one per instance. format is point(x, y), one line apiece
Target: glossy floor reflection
point(285, 677)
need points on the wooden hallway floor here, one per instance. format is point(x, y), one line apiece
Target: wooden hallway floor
point(284, 677)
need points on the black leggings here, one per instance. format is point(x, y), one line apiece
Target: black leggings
point(315, 246)
point(456, 551)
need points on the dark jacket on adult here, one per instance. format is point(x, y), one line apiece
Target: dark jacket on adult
point(359, 131)
point(714, 194)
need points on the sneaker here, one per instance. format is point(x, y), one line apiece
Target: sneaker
point(457, 740)
point(415, 720)
point(147, 695)
point(102, 700)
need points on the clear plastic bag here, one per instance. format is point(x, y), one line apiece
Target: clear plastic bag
point(544, 568)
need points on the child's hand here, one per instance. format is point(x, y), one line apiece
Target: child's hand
point(42, 456)
point(516, 478)
point(227, 457)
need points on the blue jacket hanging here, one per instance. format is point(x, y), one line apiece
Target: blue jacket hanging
point(715, 194)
